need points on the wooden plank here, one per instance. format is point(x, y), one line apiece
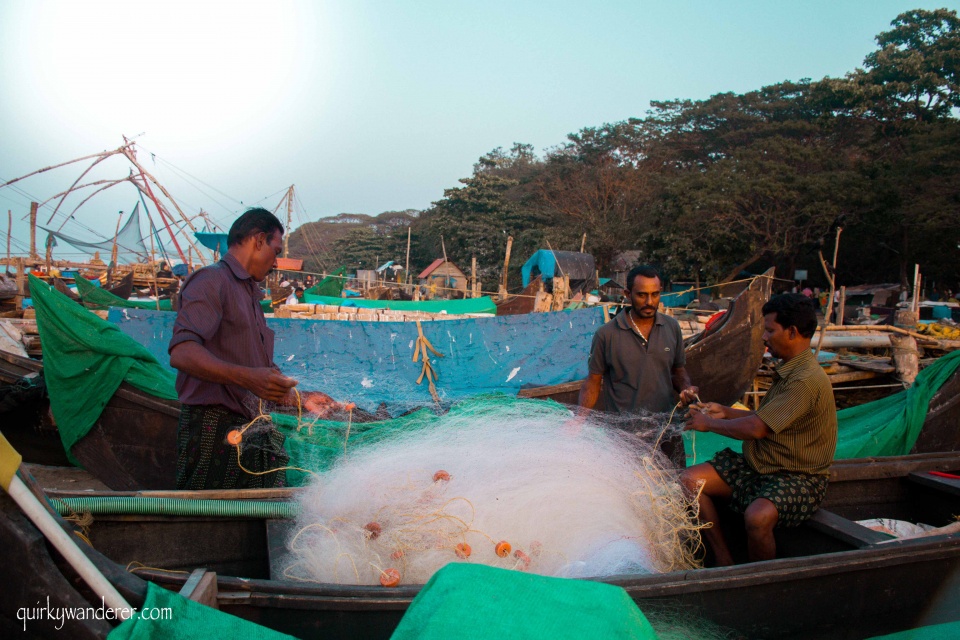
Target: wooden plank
point(853, 376)
point(950, 486)
point(845, 530)
point(201, 587)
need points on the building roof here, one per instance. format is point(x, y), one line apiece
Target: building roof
point(436, 263)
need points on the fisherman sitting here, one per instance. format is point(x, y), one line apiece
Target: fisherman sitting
point(789, 442)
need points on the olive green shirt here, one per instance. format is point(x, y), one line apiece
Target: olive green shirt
point(800, 411)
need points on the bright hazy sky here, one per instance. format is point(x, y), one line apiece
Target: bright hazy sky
point(370, 106)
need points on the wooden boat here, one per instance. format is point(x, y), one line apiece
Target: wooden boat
point(122, 289)
point(124, 458)
point(522, 302)
point(834, 579)
point(722, 361)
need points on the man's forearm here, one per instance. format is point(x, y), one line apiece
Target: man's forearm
point(590, 392)
point(680, 379)
point(748, 427)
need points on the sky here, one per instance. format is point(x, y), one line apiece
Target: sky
point(366, 106)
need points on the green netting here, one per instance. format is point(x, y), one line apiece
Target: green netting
point(886, 427)
point(475, 601)
point(332, 285)
point(933, 632)
point(183, 619)
point(484, 304)
point(319, 450)
point(101, 299)
point(85, 360)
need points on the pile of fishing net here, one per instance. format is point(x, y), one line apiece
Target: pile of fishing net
point(508, 483)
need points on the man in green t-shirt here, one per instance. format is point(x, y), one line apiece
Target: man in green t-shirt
point(789, 442)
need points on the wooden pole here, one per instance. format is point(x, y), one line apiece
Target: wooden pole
point(444, 247)
point(583, 243)
point(843, 303)
point(473, 277)
point(153, 270)
point(33, 230)
point(916, 287)
point(502, 294)
point(9, 233)
point(286, 236)
point(113, 252)
point(21, 283)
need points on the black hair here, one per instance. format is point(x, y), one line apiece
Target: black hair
point(252, 222)
point(299, 290)
point(644, 270)
point(794, 310)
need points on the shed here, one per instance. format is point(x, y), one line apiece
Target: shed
point(445, 276)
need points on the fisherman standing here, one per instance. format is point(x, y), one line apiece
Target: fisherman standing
point(637, 360)
point(789, 441)
point(223, 352)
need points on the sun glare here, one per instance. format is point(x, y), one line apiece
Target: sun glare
point(176, 69)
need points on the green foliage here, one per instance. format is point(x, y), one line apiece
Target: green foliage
point(711, 187)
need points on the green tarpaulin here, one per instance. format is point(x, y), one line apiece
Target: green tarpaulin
point(100, 299)
point(484, 304)
point(475, 601)
point(886, 427)
point(85, 360)
point(332, 285)
point(170, 616)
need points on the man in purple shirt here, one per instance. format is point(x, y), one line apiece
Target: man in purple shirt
point(223, 352)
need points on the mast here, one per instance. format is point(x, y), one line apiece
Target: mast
point(286, 236)
point(33, 229)
point(113, 252)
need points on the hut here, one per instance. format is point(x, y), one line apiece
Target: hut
point(580, 268)
point(447, 279)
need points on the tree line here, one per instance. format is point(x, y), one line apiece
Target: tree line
point(713, 188)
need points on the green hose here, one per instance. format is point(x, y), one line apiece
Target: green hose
point(102, 505)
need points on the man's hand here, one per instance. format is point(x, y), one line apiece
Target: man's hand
point(268, 383)
point(689, 394)
point(711, 409)
point(697, 421)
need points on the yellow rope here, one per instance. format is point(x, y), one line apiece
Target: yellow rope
point(422, 347)
point(266, 417)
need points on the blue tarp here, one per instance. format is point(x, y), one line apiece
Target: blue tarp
point(578, 266)
point(372, 362)
point(213, 241)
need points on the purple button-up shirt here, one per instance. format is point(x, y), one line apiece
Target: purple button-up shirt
point(220, 309)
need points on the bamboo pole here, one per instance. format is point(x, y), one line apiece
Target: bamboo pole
point(9, 232)
point(502, 294)
point(21, 283)
point(916, 287)
point(406, 269)
point(843, 305)
point(286, 236)
point(113, 251)
point(33, 229)
point(583, 243)
point(473, 276)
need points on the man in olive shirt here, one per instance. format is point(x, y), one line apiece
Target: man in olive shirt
point(789, 442)
point(637, 360)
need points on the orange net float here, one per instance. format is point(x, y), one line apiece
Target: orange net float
point(463, 550)
point(503, 548)
point(373, 530)
point(441, 476)
point(389, 577)
point(522, 557)
point(396, 555)
point(234, 437)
